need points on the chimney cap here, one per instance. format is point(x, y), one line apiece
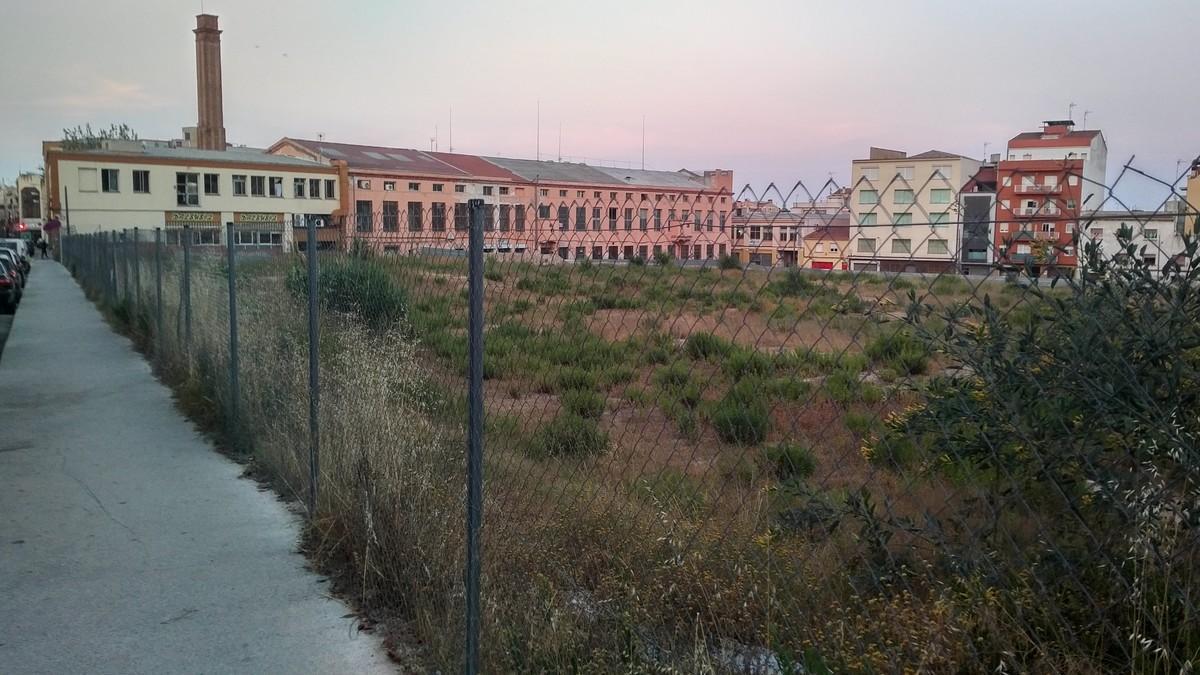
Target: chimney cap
point(206, 22)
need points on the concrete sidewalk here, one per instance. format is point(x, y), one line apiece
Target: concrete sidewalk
point(127, 544)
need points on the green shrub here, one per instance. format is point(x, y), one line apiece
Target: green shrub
point(728, 262)
point(788, 388)
point(673, 376)
point(842, 387)
point(568, 435)
point(741, 417)
point(662, 258)
point(549, 282)
point(901, 351)
point(620, 374)
point(860, 423)
point(572, 377)
point(748, 362)
point(584, 403)
point(888, 375)
point(491, 271)
point(614, 301)
point(362, 287)
point(706, 346)
point(950, 284)
point(790, 461)
point(637, 261)
point(672, 489)
point(901, 284)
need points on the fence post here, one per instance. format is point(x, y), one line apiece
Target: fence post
point(474, 430)
point(111, 269)
point(158, 299)
point(233, 329)
point(137, 269)
point(187, 290)
point(124, 247)
point(314, 372)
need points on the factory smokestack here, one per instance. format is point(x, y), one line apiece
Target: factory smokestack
point(210, 129)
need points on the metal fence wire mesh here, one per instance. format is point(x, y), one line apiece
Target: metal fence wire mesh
point(695, 463)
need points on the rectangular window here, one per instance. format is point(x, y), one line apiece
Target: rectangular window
point(612, 219)
point(505, 217)
point(903, 197)
point(362, 184)
point(937, 247)
point(314, 188)
point(258, 186)
point(489, 217)
point(413, 187)
point(564, 218)
point(329, 189)
point(277, 186)
point(868, 219)
point(543, 211)
point(902, 246)
point(87, 180)
point(902, 219)
point(437, 187)
point(390, 185)
point(658, 219)
point(643, 219)
point(724, 216)
point(628, 220)
point(1151, 235)
point(866, 245)
point(519, 217)
point(503, 190)
point(943, 171)
point(297, 187)
point(109, 180)
point(939, 196)
point(239, 185)
point(768, 233)
point(596, 218)
point(562, 193)
point(939, 219)
point(905, 172)
point(870, 172)
point(187, 189)
point(487, 190)
point(437, 216)
point(868, 197)
point(1003, 228)
point(460, 188)
point(391, 216)
point(141, 181)
point(543, 192)
point(362, 215)
point(460, 217)
point(581, 218)
point(696, 220)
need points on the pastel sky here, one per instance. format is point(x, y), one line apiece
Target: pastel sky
point(777, 90)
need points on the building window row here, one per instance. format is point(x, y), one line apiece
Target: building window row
point(110, 182)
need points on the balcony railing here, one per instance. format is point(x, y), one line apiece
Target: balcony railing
point(1039, 189)
point(1028, 212)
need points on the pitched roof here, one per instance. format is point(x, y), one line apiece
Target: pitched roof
point(834, 232)
point(380, 158)
point(533, 170)
point(231, 155)
point(475, 165)
point(938, 154)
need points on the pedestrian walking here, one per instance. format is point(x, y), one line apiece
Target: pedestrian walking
point(42, 247)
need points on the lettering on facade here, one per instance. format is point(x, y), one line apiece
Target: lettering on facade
point(244, 218)
point(192, 218)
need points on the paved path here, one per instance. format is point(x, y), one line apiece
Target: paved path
point(127, 544)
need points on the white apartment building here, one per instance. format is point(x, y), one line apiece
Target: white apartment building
point(1157, 237)
point(127, 184)
point(903, 210)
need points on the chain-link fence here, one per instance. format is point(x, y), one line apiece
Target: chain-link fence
point(697, 452)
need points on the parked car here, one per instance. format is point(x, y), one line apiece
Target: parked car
point(15, 262)
point(10, 287)
point(18, 247)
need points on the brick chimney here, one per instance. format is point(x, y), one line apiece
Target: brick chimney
point(210, 130)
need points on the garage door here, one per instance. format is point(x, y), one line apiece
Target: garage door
point(822, 265)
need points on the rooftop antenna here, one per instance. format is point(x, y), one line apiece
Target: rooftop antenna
point(1071, 111)
point(643, 142)
point(1085, 114)
point(985, 147)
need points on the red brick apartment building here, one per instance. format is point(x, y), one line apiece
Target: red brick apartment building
point(1047, 181)
point(399, 199)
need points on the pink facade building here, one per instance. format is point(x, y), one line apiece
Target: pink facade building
point(400, 199)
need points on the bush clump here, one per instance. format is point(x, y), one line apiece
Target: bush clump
point(568, 435)
point(584, 403)
point(790, 461)
point(707, 346)
point(742, 416)
point(901, 351)
point(358, 286)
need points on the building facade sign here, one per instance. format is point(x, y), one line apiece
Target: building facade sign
point(247, 218)
point(209, 218)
